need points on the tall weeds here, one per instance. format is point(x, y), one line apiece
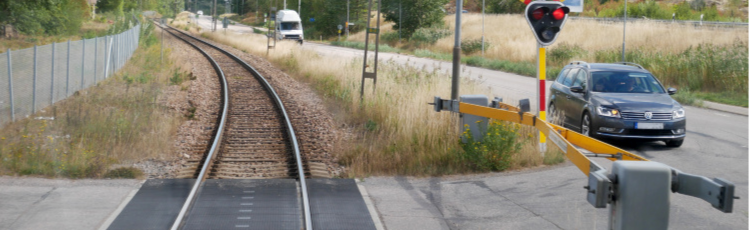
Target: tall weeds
point(392, 130)
point(118, 121)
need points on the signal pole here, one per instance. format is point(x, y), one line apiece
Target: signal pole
point(541, 74)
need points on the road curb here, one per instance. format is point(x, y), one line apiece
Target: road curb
point(726, 108)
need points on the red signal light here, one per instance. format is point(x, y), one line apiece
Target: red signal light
point(538, 14)
point(558, 14)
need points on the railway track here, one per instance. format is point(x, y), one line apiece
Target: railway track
point(254, 138)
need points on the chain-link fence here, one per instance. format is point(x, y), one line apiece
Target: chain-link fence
point(34, 78)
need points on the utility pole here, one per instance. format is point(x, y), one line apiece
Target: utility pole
point(457, 51)
point(213, 15)
point(399, 20)
point(624, 24)
point(482, 28)
point(347, 19)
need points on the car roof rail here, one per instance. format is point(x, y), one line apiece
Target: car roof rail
point(580, 63)
point(629, 63)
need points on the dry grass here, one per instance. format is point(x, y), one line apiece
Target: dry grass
point(512, 39)
point(184, 22)
point(119, 121)
point(394, 130)
point(94, 26)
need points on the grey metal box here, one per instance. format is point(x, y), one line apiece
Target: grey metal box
point(477, 125)
point(641, 195)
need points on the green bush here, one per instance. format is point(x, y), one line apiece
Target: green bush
point(470, 46)
point(705, 68)
point(390, 37)
point(563, 53)
point(494, 152)
point(427, 36)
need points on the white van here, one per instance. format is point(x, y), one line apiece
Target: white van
point(289, 25)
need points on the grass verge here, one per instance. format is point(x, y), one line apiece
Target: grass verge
point(119, 121)
point(393, 130)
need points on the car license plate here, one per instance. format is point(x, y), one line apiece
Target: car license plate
point(649, 125)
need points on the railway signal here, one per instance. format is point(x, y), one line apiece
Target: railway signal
point(546, 19)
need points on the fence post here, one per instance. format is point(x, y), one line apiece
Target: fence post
point(115, 65)
point(10, 88)
point(33, 93)
point(83, 62)
point(67, 76)
point(104, 75)
point(96, 54)
point(52, 77)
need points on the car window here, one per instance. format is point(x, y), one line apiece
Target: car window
point(580, 79)
point(625, 82)
point(289, 26)
point(562, 76)
point(568, 81)
point(602, 81)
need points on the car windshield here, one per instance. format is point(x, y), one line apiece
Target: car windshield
point(289, 26)
point(625, 82)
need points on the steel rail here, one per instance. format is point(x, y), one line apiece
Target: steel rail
point(280, 104)
point(217, 137)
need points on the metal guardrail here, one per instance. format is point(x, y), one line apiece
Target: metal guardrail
point(736, 25)
point(217, 140)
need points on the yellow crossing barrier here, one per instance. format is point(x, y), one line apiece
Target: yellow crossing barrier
point(563, 138)
point(635, 189)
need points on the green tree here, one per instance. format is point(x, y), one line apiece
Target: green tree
point(505, 7)
point(413, 14)
point(682, 11)
point(37, 17)
point(329, 14)
point(114, 6)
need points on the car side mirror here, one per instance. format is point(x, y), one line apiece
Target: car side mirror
point(671, 90)
point(576, 89)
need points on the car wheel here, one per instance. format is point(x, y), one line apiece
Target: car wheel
point(674, 143)
point(552, 113)
point(553, 116)
point(586, 128)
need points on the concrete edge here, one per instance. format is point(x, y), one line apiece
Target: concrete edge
point(725, 108)
point(370, 206)
point(119, 209)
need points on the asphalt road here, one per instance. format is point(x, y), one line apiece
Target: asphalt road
point(554, 198)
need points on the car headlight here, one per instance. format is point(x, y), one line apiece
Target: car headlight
point(607, 112)
point(680, 113)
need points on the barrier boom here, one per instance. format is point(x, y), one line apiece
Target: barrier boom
point(562, 137)
point(641, 184)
